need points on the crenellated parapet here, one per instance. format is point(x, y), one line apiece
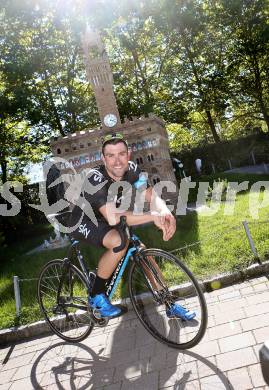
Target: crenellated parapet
point(143, 119)
point(76, 135)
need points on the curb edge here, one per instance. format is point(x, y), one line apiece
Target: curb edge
point(41, 328)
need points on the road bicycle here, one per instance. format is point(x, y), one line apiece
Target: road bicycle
point(156, 280)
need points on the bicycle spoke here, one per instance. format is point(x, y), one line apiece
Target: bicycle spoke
point(158, 283)
point(63, 297)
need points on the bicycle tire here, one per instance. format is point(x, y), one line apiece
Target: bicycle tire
point(151, 309)
point(68, 315)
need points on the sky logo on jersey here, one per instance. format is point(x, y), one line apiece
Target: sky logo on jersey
point(132, 166)
point(97, 175)
point(83, 230)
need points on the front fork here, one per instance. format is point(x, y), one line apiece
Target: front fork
point(155, 281)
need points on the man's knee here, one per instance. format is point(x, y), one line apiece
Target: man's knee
point(112, 239)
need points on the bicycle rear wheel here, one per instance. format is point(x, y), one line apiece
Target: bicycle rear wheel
point(63, 299)
point(179, 286)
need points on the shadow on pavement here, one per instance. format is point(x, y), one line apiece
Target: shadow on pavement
point(129, 359)
point(159, 366)
point(64, 365)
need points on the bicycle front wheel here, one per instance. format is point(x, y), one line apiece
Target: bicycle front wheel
point(63, 299)
point(158, 280)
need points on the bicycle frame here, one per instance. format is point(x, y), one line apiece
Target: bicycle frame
point(135, 244)
point(119, 272)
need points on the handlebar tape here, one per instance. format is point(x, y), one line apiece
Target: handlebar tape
point(122, 229)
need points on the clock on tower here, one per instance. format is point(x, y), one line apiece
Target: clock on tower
point(101, 79)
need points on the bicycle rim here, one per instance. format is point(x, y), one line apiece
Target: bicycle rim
point(181, 288)
point(65, 309)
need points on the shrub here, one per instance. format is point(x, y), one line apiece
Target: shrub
point(237, 151)
point(2, 240)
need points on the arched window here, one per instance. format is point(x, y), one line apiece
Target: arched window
point(152, 157)
point(59, 151)
point(137, 161)
point(141, 160)
point(134, 147)
point(148, 158)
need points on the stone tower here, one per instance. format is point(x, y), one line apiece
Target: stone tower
point(147, 136)
point(101, 79)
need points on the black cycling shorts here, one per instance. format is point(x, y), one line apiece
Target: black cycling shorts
point(88, 232)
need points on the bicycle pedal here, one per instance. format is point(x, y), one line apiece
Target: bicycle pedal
point(102, 322)
point(96, 314)
point(98, 319)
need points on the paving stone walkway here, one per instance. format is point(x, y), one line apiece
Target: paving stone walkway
point(123, 356)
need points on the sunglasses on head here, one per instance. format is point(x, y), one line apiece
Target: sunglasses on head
point(111, 137)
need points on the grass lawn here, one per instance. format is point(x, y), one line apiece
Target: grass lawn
point(221, 246)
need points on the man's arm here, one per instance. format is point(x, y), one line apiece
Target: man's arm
point(157, 204)
point(160, 215)
point(167, 221)
point(112, 215)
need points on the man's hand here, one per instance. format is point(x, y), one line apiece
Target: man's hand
point(167, 223)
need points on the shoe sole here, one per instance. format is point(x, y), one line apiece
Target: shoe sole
point(124, 309)
point(180, 318)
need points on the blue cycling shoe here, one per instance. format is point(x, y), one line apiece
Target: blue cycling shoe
point(104, 307)
point(177, 311)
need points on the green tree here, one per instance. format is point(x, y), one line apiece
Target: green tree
point(180, 137)
point(141, 57)
point(43, 86)
point(47, 48)
point(19, 143)
point(246, 23)
point(199, 67)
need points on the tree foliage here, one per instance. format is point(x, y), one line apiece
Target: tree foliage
point(213, 57)
point(247, 25)
point(201, 65)
point(43, 85)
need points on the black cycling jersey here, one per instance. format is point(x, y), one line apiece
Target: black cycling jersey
point(99, 193)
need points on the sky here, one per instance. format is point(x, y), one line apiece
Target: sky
point(35, 173)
